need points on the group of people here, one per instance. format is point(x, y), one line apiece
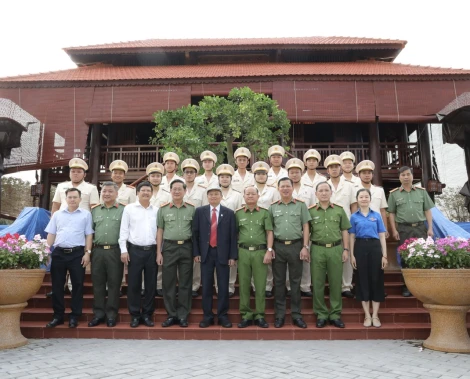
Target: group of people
point(286, 229)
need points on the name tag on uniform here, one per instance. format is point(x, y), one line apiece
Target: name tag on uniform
point(316, 217)
point(372, 219)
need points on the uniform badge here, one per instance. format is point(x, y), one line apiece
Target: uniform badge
point(372, 219)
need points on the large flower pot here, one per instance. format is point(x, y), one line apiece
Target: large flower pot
point(16, 288)
point(446, 295)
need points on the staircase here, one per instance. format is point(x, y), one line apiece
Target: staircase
point(402, 318)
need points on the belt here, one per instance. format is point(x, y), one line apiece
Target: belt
point(106, 247)
point(367, 239)
point(412, 224)
point(143, 247)
point(327, 244)
point(253, 248)
point(180, 242)
point(287, 242)
point(68, 250)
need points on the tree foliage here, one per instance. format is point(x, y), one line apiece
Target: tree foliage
point(251, 118)
point(452, 203)
point(16, 194)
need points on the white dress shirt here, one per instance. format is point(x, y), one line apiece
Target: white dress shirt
point(217, 212)
point(138, 226)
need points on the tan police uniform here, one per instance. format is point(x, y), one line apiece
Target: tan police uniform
point(348, 155)
point(126, 193)
point(202, 179)
point(170, 156)
point(344, 195)
point(378, 200)
point(318, 178)
point(239, 183)
point(273, 178)
point(89, 191)
point(232, 200)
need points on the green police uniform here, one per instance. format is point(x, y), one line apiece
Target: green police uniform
point(326, 253)
point(177, 257)
point(252, 227)
point(288, 220)
point(106, 267)
point(409, 208)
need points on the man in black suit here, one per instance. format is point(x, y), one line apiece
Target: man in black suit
point(215, 246)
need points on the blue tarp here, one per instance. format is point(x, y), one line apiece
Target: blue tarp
point(31, 221)
point(443, 227)
point(464, 225)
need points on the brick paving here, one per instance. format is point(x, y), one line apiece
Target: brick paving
point(94, 358)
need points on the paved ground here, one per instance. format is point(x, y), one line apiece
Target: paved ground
point(87, 358)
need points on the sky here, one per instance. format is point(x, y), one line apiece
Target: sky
point(35, 32)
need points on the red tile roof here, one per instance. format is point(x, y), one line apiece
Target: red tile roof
point(232, 42)
point(360, 70)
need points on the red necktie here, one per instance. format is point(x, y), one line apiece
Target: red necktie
point(213, 240)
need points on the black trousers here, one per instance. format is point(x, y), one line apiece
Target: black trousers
point(61, 263)
point(370, 284)
point(141, 260)
point(207, 279)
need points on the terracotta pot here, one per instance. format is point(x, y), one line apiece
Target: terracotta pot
point(446, 295)
point(16, 288)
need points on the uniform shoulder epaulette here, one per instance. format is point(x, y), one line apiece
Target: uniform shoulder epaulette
point(188, 202)
point(122, 204)
point(393, 190)
point(94, 206)
point(128, 186)
point(274, 202)
point(164, 189)
point(349, 181)
point(338, 205)
point(234, 190)
point(421, 188)
point(312, 206)
point(164, 204)
point(266, 209)
point(300, 200)
point(308, 185)
point(239, 209)
point(202, 185)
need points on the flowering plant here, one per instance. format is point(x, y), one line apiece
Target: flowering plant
point(16, 252)
point(447, 253)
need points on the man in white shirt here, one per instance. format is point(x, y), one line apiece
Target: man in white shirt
point(126, 193)
point(137, 240)
point(170, 162)
point(312, 159)
point(208, 159)
point(347, 165)
point(276, 172)
point(242, 178)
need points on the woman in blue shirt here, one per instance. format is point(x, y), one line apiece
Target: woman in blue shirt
point(368, 256)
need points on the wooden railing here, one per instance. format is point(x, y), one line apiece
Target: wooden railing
point(359, 149)
point(137, 157)
point(397, 154)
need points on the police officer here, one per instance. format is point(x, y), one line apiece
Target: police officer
point(171, 161)
point(347, 165)
point(255, 241)
point(107, 268)
point(302, 191)
point(344, 194)
point(160, 195)
point(196, 195)
point(378, 203)
point(312, 159)
point(290, 219)
point(267, 195)
point(242, 178)
point(276, 172)
point(232, 200)
point(330, 250)
point(126, 193)
point(409, 206)
point(208, 159)
point(174, 254)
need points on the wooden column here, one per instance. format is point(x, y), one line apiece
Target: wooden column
point(45, 199)
point(425, 153)
point(374, 150)
point(95, 150)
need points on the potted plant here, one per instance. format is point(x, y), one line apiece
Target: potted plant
point(20, 278)
point(438, 274)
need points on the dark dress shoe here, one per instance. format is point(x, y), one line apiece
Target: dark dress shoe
point(194, 294)
point(288, 293)
point(321, 323)
point(405, 292)
point(147, 321)
point(206, 323)
point(73, 323)
point(55, 322)
point(337, 323)
point(169, 322)
point(49, 294)
point(261, 322)
point(135, 322)
point(279, 323)
point(111, 323)
point(183, 322)
point(95, 321)
point(347, 294)
point(300, 323)
point(269, 294)
point(306, 294)
point(159, 293)
point(224, 322)
point(245, 323)
point(231, 294)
